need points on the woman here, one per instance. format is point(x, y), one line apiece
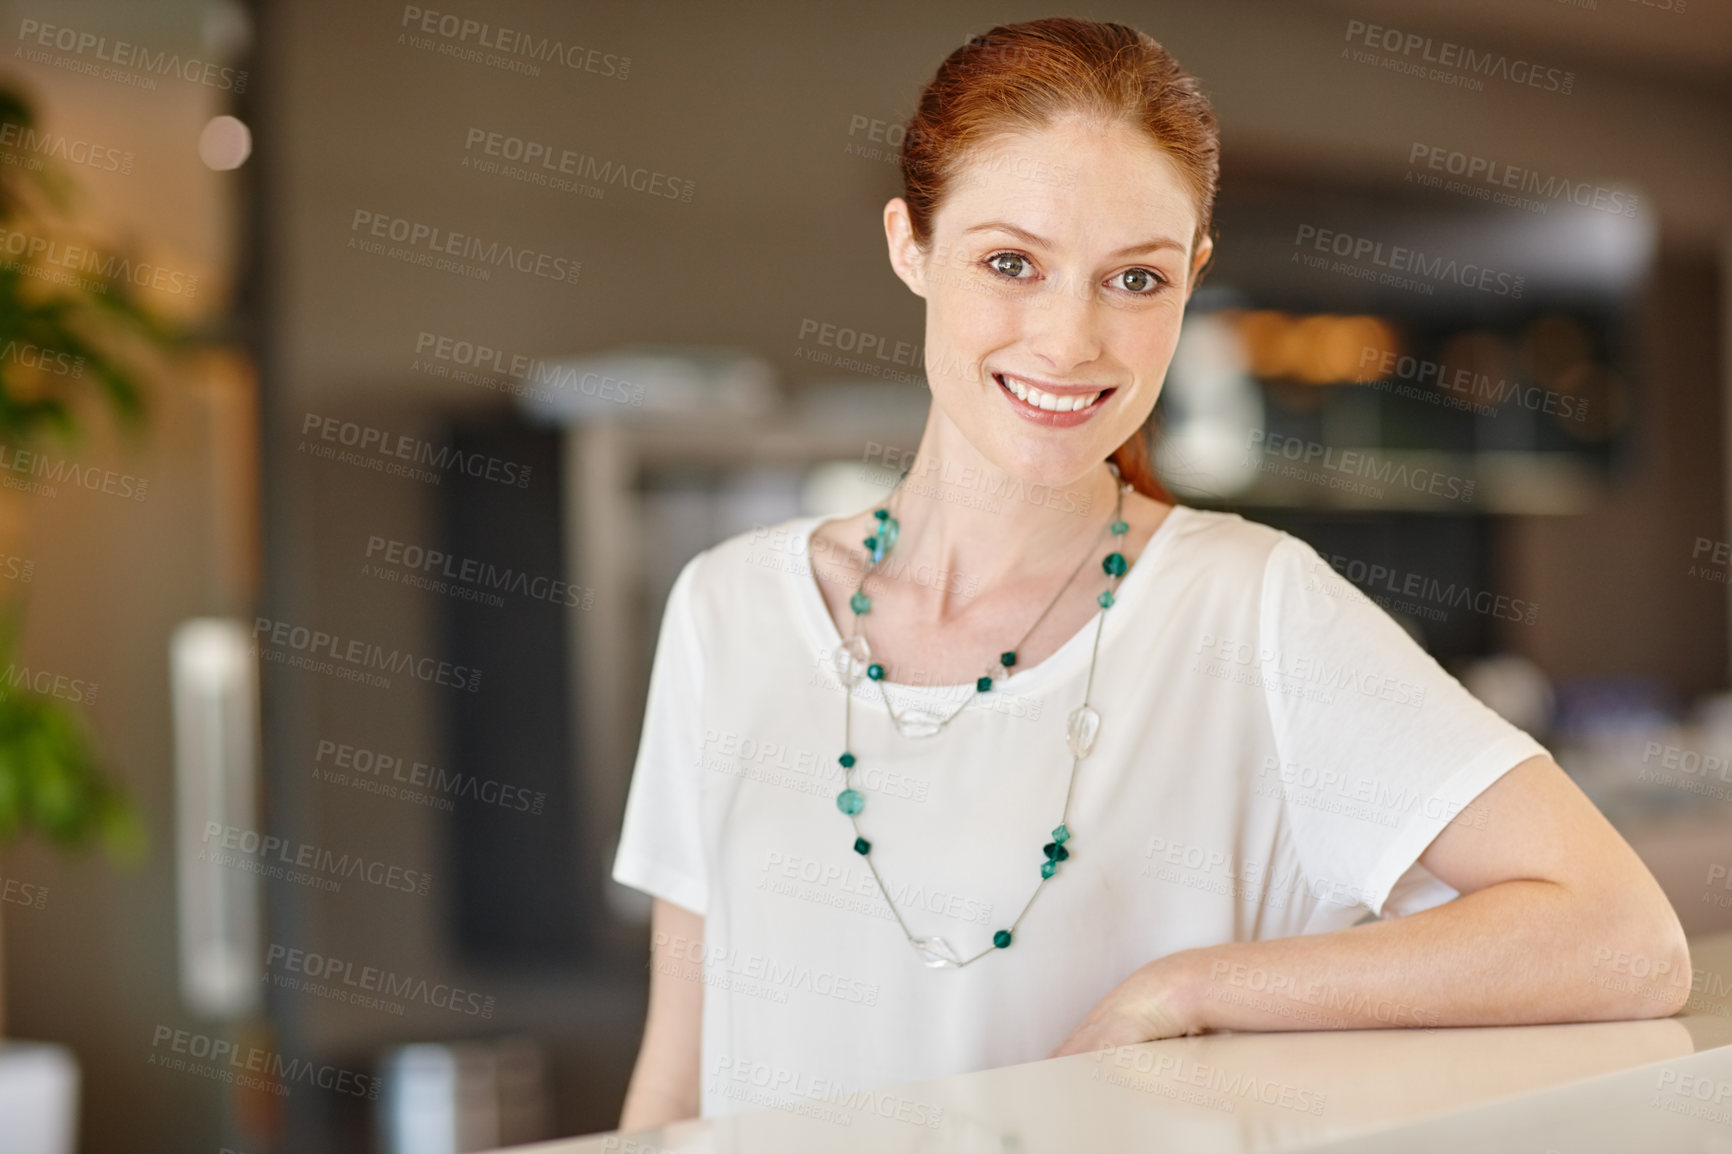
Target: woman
point(1258, 804)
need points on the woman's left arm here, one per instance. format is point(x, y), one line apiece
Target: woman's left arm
point(1558, 921)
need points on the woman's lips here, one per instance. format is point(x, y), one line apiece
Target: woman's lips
point(1052, 418)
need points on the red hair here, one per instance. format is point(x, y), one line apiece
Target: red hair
point(1021, 77)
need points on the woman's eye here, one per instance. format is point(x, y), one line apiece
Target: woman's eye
point(1008, 264)
point(1141, 281)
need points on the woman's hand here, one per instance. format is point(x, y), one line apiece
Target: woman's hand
point(1151, 1004)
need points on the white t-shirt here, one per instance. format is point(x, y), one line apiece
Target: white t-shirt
point(1275, 753)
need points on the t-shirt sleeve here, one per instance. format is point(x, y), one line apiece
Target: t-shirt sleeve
point(661, 840)
point(1379, 746)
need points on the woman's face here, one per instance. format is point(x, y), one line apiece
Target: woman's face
point(1055, 279)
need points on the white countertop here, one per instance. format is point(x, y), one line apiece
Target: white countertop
point(1657, 1085)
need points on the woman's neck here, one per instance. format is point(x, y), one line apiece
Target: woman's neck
point(960, 515)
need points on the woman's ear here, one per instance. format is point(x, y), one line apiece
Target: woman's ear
point(1198, 263)
point(905, 255)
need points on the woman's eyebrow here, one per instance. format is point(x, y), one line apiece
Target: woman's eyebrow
point(1023, 234)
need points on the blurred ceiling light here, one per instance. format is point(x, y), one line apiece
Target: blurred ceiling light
point(1321, 349)
point(225, 143)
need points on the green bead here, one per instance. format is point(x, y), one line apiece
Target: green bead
point(847, 760)
point(875, 671)
point(1001, 939)
point(1048, 868)
point(1055, 851)
point(859, 603)
point(1120, 528)
point(849, 801)
point(881, 513)
point(888, 532)
point(861, 845)
point(1061, 834)
point(1106, 599)
point(983, 684)
point(871, 544)
point(1007, 658)
point(1114, 564)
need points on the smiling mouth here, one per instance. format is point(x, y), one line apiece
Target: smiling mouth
point(1051, 402)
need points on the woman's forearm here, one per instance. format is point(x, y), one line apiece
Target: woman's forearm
point(1518, 952)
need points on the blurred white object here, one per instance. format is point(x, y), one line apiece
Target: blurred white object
point(38, 1098)
point(214, 687)
point(1212, 404)
point(463, 1096)
point(630, 382)
point(1515, 689)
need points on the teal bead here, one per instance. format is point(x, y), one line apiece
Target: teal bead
point(1115, 564)
point(1120, 528)
point(881, 513)
point(888, 531)
point(849, 801)
point(1061, 834)
point(1048, 868)
point(861, 845)
point(1055, 851)
point(1007, 658)
point(847, 760)
point(1105, 600)
point(983, 684)
point(1001, 939)
point(875, 671)
point(859, 603)
point(871, 544)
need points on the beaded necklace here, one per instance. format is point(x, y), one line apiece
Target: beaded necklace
point(854, 661)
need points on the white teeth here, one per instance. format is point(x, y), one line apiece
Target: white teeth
point(1050, 402)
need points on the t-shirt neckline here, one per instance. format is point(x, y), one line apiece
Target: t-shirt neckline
point(811, 599)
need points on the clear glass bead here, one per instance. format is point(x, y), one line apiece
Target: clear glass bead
point(852, 658)
point(917, 722)
point(1081, 728)
point(936, 952)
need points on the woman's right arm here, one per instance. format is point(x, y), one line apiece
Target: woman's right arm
point(664, 1082)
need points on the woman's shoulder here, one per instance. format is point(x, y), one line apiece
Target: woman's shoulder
point(1226, 544)
point(742, 564)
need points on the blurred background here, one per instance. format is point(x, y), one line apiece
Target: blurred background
point(369, 370)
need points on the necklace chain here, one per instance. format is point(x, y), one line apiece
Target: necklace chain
point(1082, 727)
